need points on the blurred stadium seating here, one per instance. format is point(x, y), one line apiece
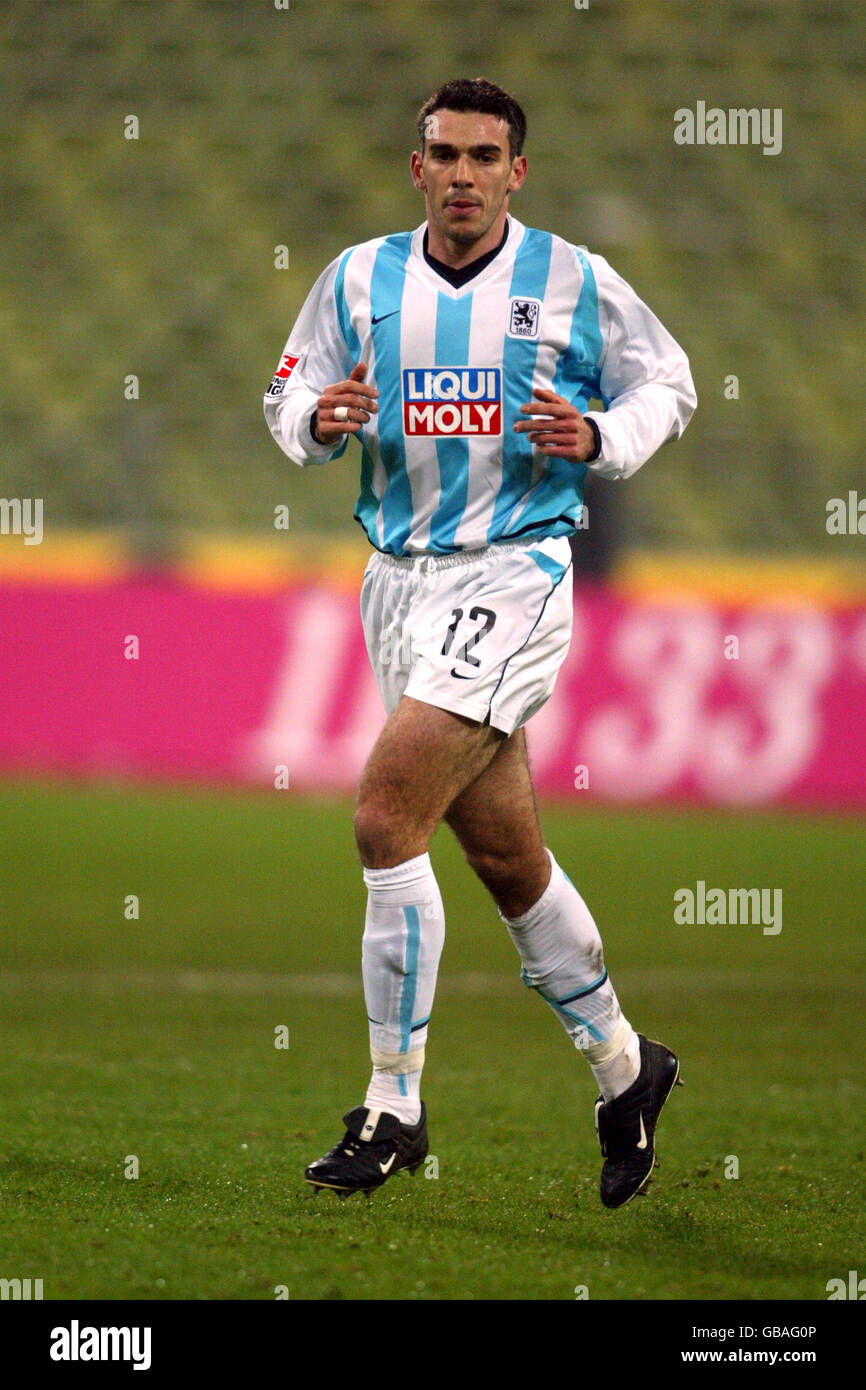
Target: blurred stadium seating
point(261, 127)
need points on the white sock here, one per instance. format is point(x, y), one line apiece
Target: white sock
point(563, 960)
point(403, 937)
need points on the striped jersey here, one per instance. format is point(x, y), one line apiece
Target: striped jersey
point(442, 468)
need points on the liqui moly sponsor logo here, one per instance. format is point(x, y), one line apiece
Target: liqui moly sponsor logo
point(452, 400)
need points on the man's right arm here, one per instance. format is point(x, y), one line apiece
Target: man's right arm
point(315, 356)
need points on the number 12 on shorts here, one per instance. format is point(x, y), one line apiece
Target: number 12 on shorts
point(464, 654)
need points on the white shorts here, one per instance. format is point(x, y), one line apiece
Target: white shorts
point(481, 633)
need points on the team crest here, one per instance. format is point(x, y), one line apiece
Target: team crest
point(524, 316)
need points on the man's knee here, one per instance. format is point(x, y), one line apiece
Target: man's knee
point(374, 830)
point(385, 836)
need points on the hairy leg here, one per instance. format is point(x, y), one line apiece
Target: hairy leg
point(422, 760)
point(496, 821)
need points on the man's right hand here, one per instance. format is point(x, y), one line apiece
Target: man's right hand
point(352, 394)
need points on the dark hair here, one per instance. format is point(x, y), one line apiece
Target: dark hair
point(476, 94)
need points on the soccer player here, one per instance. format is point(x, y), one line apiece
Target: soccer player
point(464, 356)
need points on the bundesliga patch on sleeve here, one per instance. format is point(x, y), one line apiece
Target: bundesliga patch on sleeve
point(284, 371)
point(524, 317)
point(452, 400)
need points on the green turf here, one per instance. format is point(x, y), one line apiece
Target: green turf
point(155, 1038)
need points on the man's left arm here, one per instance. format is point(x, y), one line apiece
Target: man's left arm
point(645, 379)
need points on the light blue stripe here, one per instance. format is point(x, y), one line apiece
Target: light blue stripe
point(557, 503)
point(386, 295)
point(560, 1008)
point(577, 375)
point(410, 978)
point(584, 1023)
point(528, 279)
point(350, 337)
point(549, 565)
point(352, 341)
point(367, 506)
point(453, 318)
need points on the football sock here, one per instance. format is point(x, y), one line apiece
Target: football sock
point(403, 936)
point(563, 960)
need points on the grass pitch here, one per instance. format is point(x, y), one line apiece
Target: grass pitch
point(148, 1044)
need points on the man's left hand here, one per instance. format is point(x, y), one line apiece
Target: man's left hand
point(560, 430)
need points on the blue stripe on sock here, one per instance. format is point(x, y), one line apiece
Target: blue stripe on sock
point(584, 1022)
point(410, 980)
point(560, 1008)
point(590, 989)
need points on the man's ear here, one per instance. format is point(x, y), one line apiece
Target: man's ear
point(415, 171)
point(518, 173)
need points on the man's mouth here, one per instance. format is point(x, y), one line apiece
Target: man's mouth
point(462, 205)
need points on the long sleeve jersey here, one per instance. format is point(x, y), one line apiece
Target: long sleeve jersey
point(442, 468)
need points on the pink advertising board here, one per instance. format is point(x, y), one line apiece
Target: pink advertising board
point(674, 701)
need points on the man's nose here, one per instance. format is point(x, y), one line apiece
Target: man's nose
point(463, 172)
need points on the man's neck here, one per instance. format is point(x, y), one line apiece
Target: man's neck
point(458, 276)
point(455, 254)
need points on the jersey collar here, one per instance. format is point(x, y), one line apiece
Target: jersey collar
point(504, 257)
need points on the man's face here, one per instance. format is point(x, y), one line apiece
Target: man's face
point(466, 173)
